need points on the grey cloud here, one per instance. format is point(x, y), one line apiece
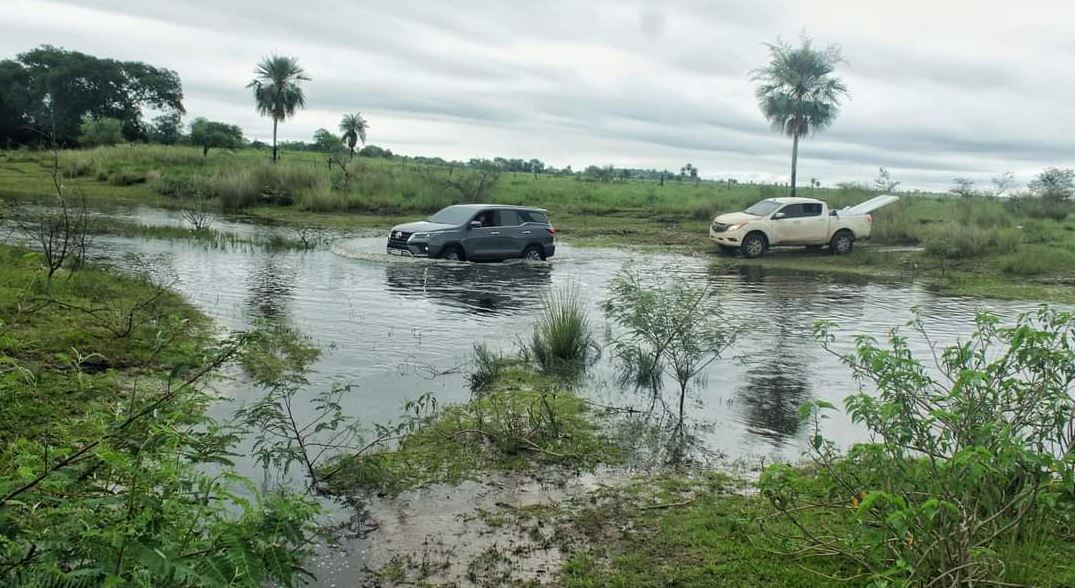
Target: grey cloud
point(644, 81)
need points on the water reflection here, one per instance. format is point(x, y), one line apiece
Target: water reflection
point(270, 286)
point(480, 289)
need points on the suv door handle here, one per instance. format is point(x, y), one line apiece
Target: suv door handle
point(494, 232)
point(526, 232)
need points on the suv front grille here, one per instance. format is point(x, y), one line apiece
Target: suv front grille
point(398, 239)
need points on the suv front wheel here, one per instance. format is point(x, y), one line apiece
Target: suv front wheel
point(453, 253)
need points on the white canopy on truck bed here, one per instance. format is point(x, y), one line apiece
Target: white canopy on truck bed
point(869, 206)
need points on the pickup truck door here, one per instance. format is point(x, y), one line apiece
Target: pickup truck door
point(814, 224)
point(800, 224)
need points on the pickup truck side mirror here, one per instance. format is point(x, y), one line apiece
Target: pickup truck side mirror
point(779, 215)
point(475, 224)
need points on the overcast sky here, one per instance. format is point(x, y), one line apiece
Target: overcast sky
point(939, 88)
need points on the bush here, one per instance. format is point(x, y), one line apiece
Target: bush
point(966, 463)
point(1036, 207)
point(101, 131)
point(950, 241)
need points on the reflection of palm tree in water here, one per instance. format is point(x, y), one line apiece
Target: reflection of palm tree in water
point(269, 288)
point(777, 383)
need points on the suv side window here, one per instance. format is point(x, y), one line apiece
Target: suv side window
point(532, 216)
point(812, 209)
point(488, 218)
point(792, 211)
point(508, 218)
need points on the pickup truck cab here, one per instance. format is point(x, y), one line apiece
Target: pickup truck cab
point(777, 222)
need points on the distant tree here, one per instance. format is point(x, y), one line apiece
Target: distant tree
point(101, 131)
point(375, 151)
point(354, 128)
point(1003, 184)
point(208, 134)
point(47, 91)
point(798, 93)
point(325, 141)
point(884, 183)
point(277, 90)
point(1054, 184)
point(167, 129)
point(963, 187)
point(537, 166)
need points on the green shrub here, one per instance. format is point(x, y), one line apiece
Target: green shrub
point(1035, 207)
point(971, 455)
point(488, 365)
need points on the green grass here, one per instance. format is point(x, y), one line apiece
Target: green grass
point(517, 423)
point(979, 246)
point(704, 530)
point(67, 359)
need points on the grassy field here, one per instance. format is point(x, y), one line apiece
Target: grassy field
point(1013, 248)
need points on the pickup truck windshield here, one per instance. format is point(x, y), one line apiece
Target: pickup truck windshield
point(763, 208)
point(453, 215)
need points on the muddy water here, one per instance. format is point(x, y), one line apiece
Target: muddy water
point(398, 328)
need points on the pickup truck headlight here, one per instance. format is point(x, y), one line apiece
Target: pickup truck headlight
point(735, 227)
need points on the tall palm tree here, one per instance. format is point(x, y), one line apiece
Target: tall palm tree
point(353, 127)
point(798, 92)
point(276, 90)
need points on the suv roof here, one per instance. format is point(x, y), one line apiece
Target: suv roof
point(497, 206)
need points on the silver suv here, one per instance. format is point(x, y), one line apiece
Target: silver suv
point(477, 232)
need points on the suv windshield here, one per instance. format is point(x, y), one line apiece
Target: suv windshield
point(453, 215)
point(763, 208)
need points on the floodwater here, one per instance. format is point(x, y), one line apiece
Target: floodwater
point(396, 329)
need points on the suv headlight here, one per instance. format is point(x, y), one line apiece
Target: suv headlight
point(419, 236)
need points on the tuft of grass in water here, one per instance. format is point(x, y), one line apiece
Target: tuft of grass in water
point(562, 340)
point(488, 366)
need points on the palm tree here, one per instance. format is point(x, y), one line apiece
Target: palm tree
point(353, 127)
point(798, 93)
point(277, 91)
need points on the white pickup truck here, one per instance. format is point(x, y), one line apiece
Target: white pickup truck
point(777, 222)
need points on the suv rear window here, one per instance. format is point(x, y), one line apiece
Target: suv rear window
point(532, 216)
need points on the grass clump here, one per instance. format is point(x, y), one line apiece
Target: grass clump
point(280, 184)
point(562, 340)
point(957, 241)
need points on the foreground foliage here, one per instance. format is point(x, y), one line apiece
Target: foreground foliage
point(110, 472)
point(974, 463)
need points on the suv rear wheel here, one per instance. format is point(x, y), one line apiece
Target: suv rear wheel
point(534, 253)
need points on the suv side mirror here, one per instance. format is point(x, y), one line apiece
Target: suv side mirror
point(475, 224)
point(779, 215)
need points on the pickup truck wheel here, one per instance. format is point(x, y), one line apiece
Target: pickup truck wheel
point(534, 253)
point(841, 243)
point(452, 253)
point(753, 246)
